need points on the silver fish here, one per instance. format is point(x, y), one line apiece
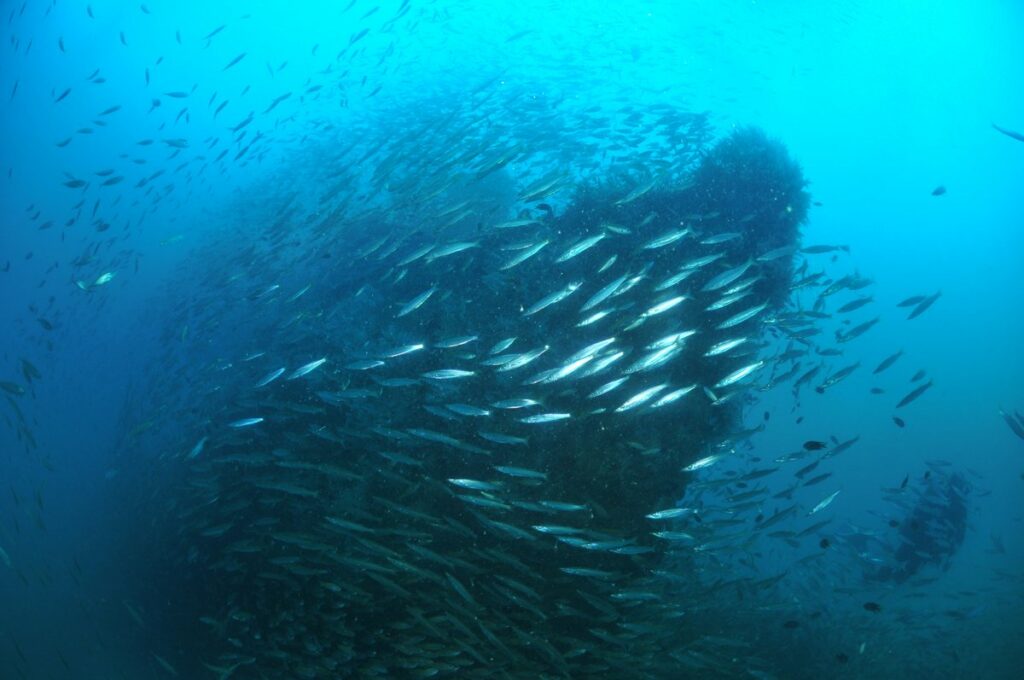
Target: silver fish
point(549, 300)
point(739, 374)
point(641, 398)
point(581, 247)
point(306, 369)
point(270, 377)
point(416, 302)
point(447, 374)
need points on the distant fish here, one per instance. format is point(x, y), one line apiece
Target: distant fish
point(197, 449)
point(914, 394)
point(245, 422)
point(888, 361)
point(938, 191)
point(923, 305)
point(1015, 421)
point(1009, 133)
point(234, 61)
point(818, 250)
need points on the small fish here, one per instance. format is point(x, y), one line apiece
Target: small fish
point(854, 304)
point(416, 302)
point(641, 397)
point(197, 449)
point(1016, 424)
point(448, 374)
point(1009, 133)
point(923, 305)
point(914, 394)
point(739, 374)
point(670, 513)
point(824, 503)
point(814, 445)
point(899, 421)
point(544, 418)
point(581, 247)
point(888, 361)
point(873, 607)
point(307, 368)
point(245, 422)
point(818, 250)
point(234, 61)
point(159, 659)
point(270, 377)
point(523, 473)
point(551, 299)
point(911, 301)
point(475, 484)
point(705, 462)
point(939, 190)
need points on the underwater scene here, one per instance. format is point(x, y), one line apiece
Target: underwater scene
point(437, 338)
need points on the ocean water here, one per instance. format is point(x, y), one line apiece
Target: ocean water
point(202, 201)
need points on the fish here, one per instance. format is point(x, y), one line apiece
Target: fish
point(938, 191)
point(553, 298)
point(234, 61)
point(821, 249)
point(1015, 423)
point(923, 305)
point(448, 374)
point(855, 304)
point(824, 503)
point(703, 463)
point(739, 374)
point(306, 369)
point(911, 301)
point(727, 277)
point(416, 302)
point(581, 247)
point(603, 294)
point(914, 394)
point(887, 362)
point(197, 449)
point(670, 513)
point(525, 255)
point(544, 418)
point(641, 397)
point(857, 330)
point(837, 377)
point(742, 317)
point(1009, 133)
point(666, 239)
point(270, 377)
point(245, 422)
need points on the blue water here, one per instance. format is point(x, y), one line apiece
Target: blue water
point(880, 103)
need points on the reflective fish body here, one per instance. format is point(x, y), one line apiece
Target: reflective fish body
point(739, 374)
point(581, 247)
point(270, 377)
point(641, 397)
point(245, 422)
point(416, 302)
point(553, 298)
point(306, 369)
